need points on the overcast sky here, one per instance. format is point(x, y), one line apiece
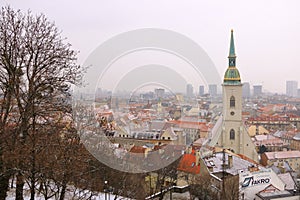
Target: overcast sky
point(267, 33)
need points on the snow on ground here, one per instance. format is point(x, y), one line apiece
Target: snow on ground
point(99, 196)
point(69, 195)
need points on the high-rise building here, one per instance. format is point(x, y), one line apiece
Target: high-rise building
point(246, 90)
point(201, 90)
point(291, 88)
point(189, 91)
point(229, 132)
point(159, 93)
point(257, 90)
point(212, 90)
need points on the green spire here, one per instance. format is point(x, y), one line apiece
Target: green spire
point(232, 75)
point(231, 57)
point(231, 50)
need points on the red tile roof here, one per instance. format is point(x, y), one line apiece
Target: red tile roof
point(157, 147)
point(269, 189)
point(289, 135)
point(282, 155)
point(188, 164)
point(190, 124)
point(137, 149)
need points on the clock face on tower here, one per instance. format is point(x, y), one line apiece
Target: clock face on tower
point(232, 113)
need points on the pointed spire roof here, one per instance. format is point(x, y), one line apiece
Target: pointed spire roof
point(231, 49)
point(232, 75)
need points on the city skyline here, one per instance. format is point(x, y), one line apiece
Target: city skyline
point(265, 32)
point(156, 105)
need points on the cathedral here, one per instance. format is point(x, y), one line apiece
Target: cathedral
point(229, 132)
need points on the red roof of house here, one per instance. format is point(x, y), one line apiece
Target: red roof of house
point(292, 115)
point(188, 164)
point(269, 189)
point(157, 147)
point(246, 158)
point(270, 118)
point(137, 149)
point(282, 155)
point(289, 135)
point(190, 125)
point(245, 113)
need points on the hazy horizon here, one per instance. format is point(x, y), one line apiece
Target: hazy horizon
point(266, 32)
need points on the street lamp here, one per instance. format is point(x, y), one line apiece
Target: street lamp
point(105, 189)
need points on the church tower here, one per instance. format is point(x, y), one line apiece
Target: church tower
point(229, 132)
point(232, 104)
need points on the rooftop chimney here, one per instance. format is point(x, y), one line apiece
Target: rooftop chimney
point(230, 161)
point(253, 168)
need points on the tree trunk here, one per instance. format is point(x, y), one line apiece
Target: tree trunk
point(19, 186)
point(32, 188)
point(4, 182)
point(63, 192)
point(4, 178)
point(33, 169)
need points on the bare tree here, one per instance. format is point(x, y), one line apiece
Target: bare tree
point(201, 187)
point(7, 84)
point(37, 69)
point(231, 190)
point(166, 178)
point(62, 162)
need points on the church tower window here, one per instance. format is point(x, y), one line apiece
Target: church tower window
point(232, 101)
point(232, 134)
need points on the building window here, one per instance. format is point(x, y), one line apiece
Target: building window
point(232, 134)
point(232, 101)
